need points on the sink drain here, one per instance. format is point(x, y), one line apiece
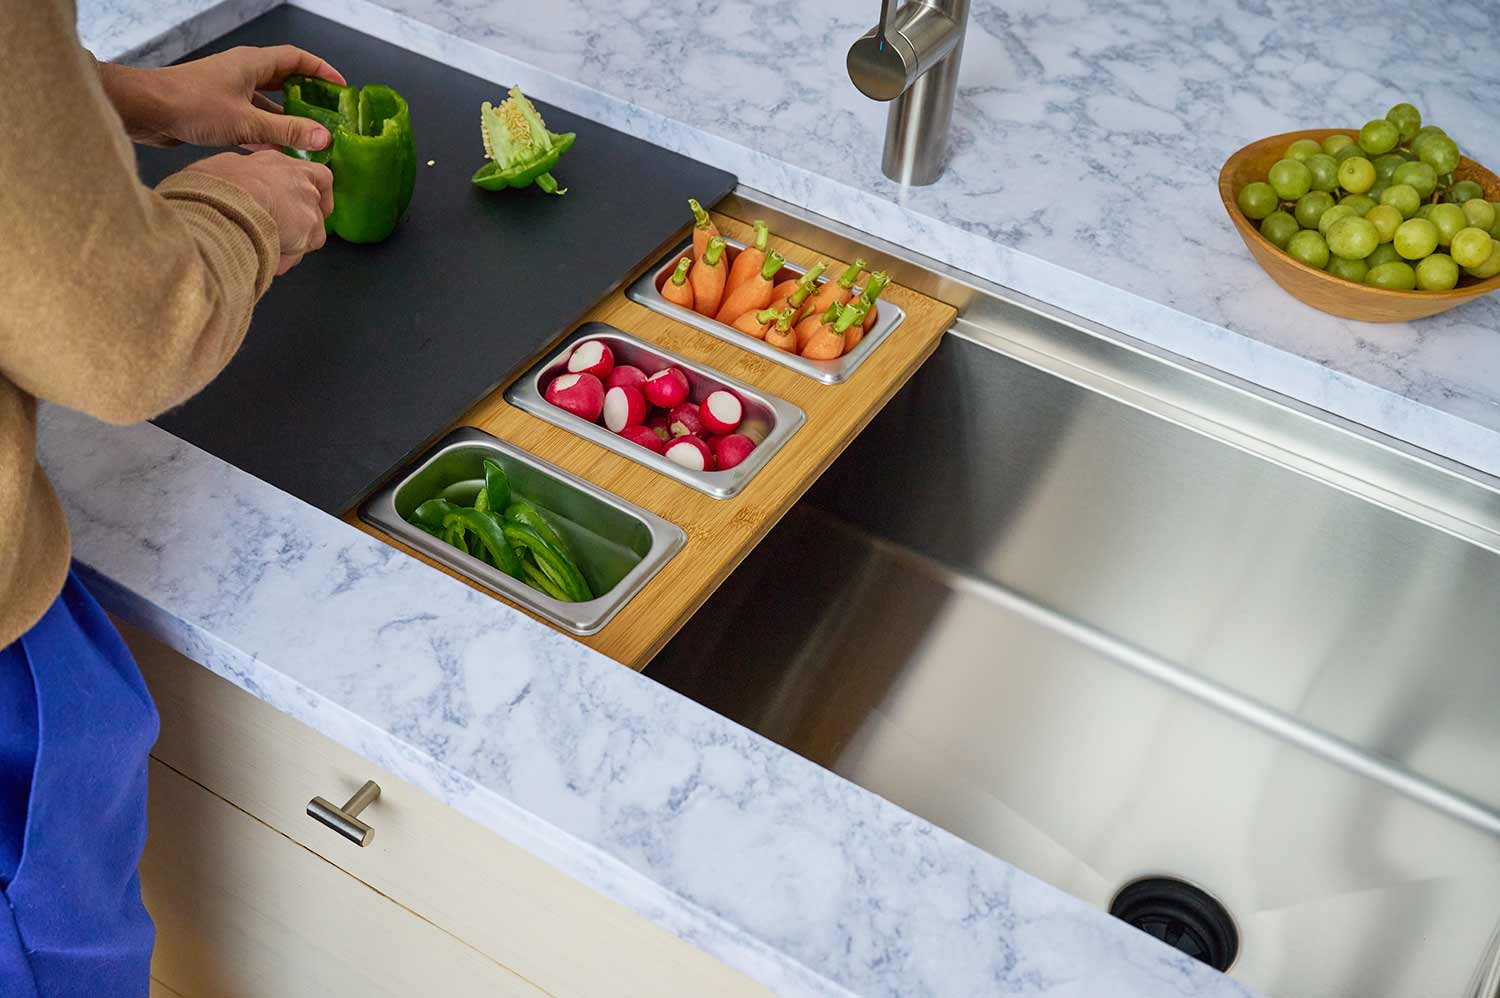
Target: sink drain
point(1180, 915)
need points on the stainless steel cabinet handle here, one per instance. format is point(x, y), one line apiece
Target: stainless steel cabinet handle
point(345, 820)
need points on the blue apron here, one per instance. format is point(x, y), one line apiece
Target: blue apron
point(76, 724)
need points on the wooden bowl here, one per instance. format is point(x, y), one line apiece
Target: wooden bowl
point(1319, 288)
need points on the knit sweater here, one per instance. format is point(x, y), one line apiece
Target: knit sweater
point(115, 299)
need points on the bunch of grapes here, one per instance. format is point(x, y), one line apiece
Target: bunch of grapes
point(1383, 209)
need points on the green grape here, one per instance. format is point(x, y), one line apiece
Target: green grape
point(1386, 220)
point(1384, 253)
point(1378, 136)
point(1406, 155)
point(1325, 171)
point(1335, 142)
point(1397, 275)
point(1425, 211)
point(1449, 219)
point(1290, 179)
point(1424, 136)
point(1404, 197)
point(1437, 273)
point(1470, 247)
point(1361, 203)
point(1303, 148)
point(1416, 238)
point(1464, 190)
point(1425, 131)
point(1279, 227)
point(1334, 214)
point(1420, 176)
point(1353, 238)
point(1387, 165)
point(1348, 152)
point(1378, 190)
point(1310, 208)
point(1496, 230)
point(1356, 175)
point(1407, 120)
point(1440, 153)
point(1480, 213)
point(1490, 267)
point(1349, 270)
point(1258, 200)
point(1308, 247)
point(1445, 181)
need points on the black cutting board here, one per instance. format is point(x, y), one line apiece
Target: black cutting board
point(361, 355)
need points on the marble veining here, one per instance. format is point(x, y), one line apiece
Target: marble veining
point(1087, 140)
point(776, 866)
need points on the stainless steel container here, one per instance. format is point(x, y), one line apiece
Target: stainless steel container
point(768, 420)
point(647, 291)
point(620, 546)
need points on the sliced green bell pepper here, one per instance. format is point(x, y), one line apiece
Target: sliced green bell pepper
point(520, 150)
point(371, 153)
point(523, 512)
point(460, 526)
point(495, 496)
point(554, 564)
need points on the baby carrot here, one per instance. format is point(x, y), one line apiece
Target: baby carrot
point(676, 288)
point(750, 260)
point(782, 335)
point(827, 341)
point(836, 291)
point(704, 228)
point(752, 294)
point(782, 294)
point(756, 324)
point(810, 324)
point(708, 278)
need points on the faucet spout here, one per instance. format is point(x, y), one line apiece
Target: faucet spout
point(911, 59)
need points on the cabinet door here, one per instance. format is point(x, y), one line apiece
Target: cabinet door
point(241, 911)
point(507, 904)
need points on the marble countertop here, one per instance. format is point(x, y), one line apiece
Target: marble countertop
point(1087, 140)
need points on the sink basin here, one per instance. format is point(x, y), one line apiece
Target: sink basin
point(1128, 621)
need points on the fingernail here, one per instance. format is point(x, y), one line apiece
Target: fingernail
point(319, 139)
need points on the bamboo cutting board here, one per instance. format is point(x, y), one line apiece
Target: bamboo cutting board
point(720, 531)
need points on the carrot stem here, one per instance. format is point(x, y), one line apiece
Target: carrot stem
point(762, 235)
point(774, 262)
point(874, 286)
point(700, 217)
point(766, 315)
point(846, 281)
point(849, 316)
point(832, 315)
point(679, 276)
point(807, 285)
point(715, 251)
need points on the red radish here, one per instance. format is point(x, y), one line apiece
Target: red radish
point(732, 449)
point(659, 424)
point(721, 412)
point(691, 453)
point(580, 394)
point(592, 357)
point(686, 421)
point(643, 435)
point(666, 388)
point(623, 407)
point(625, 376)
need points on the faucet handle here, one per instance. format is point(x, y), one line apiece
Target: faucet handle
point(882, 63)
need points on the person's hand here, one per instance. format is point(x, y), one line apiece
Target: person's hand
point(216, 101)
point(297, 193)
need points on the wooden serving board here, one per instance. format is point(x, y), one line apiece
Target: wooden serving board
point(720, 531)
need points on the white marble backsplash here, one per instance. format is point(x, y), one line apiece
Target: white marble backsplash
point(776, 866)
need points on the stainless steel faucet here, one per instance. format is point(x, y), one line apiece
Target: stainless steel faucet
point(911, 59)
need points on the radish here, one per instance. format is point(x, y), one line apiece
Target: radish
point(659, 423)
point(625, 376)
point(623, 407)
point(580, 394)
point(666, 388)
point(643, 435)
point(722, 412)
point(592, 357)
point(691, 453)
point(685, 421)
point(731, 450)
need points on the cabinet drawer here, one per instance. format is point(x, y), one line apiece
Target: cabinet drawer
point(498, 898)
point(241, 912)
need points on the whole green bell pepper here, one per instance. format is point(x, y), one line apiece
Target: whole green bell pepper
point(371, 153)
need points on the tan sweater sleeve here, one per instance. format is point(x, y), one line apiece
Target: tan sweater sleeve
point(115, 299)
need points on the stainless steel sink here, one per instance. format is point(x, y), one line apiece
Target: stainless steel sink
point(1107, 616)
